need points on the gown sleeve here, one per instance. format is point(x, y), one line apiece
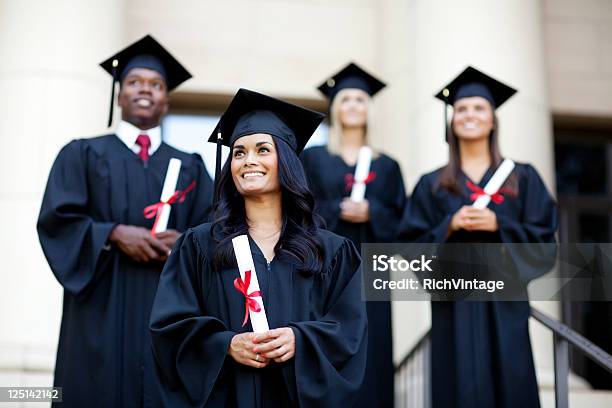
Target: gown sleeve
point(539, 219)
point(537, 226)
point(330, 352)
point(72, 241)
point(386, 211)
point(190, 348)
point(421, 221)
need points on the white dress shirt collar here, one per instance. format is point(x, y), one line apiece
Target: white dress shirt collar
point(128, 133)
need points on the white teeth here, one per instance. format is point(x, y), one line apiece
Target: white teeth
point(253, 174)
point(144, 103)
point(469, 126)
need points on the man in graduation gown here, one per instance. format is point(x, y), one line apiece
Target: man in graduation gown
point(99, 244)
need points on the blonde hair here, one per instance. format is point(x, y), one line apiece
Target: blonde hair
point(334, 139)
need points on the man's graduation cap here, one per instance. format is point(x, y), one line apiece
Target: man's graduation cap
point(351, 76)
point(144, 53)
point(251, 112)
point(472, 82)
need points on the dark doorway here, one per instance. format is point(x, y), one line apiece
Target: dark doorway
point(583, 158)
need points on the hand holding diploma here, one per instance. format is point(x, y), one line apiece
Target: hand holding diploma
point(477, 217)
point(140, 245)
point(241, 350)
point(352, 211)
point(473, 219)
point(161, 210)
point(168, 237)
point(277, 344)
point(356, 208)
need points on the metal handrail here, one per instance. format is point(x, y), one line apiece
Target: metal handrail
point(563, 336)
point(587, 347)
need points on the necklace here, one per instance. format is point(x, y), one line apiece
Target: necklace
point(274, 234)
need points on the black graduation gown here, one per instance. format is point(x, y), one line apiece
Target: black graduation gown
point(326, 175)
point(103, 357)
point(197, 311)
point(481, 353)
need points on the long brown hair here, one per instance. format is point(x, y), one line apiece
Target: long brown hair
point(450, 174)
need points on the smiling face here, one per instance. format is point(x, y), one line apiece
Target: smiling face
point(143, 98)
point(254, 165)
point(353, 110)
point(473, 118)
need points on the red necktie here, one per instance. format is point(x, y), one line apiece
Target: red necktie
point(144, 142)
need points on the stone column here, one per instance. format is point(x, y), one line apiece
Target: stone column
point(52, 91)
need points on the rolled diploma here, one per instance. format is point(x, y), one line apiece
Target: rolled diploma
point(362, 169)
point(172, 174)
point(242, 249)
point(494, 184)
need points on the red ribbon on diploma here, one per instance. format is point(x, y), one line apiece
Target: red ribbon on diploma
point(249, 303)
point(349, 180)
point(153, 210)
point(496, 197)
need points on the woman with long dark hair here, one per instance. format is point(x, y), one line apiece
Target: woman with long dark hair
point(332, 172)
point(481, 353)
point(305, 289)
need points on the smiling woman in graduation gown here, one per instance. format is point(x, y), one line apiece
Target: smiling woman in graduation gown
point(96, 186)
point(309, 280)
point(481, 353)
point(330, 171)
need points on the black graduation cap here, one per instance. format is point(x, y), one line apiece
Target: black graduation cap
point(351, 76)
point(251, 112)
point(472, 82)
point(144, 53)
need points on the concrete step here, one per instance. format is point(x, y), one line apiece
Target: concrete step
point(579, 398)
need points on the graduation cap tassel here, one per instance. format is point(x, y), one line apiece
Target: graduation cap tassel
point(218, 165)
point(446, 130)
point(112, 100)
point(446, 94)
